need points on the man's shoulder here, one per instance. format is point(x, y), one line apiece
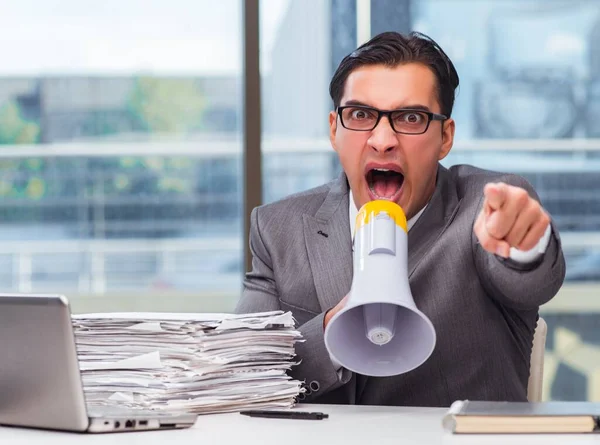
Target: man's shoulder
point(471, 179)
point(294, 206)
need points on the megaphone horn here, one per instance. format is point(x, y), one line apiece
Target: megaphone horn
point(380, 332)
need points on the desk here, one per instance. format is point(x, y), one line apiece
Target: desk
point(346, 424)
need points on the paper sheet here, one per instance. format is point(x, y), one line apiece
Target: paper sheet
point(201, 362)
point(144, 361)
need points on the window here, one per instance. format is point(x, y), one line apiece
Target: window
point(296, 150)
point(120, 156)
point(527, 104)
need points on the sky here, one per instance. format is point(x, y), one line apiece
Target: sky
point(174, 37)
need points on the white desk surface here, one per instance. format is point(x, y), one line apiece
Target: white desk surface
point(346, 425)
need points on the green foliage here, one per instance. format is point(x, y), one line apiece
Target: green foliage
point(158, 105)
point(161, 105)
point(14, 129)
point(23, 179)
point(148, 175)
point(167, 105)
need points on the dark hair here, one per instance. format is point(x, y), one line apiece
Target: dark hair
point(392, 49)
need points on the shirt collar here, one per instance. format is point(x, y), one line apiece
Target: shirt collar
point(353, 211)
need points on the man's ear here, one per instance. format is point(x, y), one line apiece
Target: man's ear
point(447, 138)
point(332, 128)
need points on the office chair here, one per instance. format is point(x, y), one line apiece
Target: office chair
point(536, 373)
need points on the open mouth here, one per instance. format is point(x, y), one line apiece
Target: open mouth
point(384, 183)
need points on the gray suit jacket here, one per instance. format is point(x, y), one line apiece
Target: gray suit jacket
point(484, 308)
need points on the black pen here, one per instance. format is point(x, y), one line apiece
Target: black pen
point(285, 414)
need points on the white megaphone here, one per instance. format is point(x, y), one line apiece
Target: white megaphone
point(380, 332)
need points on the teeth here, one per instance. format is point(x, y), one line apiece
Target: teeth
point(382, 169)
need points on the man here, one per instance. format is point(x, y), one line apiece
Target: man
point(483, 254)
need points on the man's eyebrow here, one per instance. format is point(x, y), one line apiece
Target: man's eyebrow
point(416, 107)
point(410, 106)
point(358, 102)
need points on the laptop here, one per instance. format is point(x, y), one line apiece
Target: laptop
point(40, 380)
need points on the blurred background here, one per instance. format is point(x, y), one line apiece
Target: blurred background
point(121, 140)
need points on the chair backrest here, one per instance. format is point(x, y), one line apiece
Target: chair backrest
point(536, 373)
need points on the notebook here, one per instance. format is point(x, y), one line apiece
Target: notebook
point(473, 417)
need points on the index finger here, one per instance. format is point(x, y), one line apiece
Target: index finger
point(495, 194)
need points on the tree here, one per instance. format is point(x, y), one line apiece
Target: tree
point(14, 129)
point(167, 105)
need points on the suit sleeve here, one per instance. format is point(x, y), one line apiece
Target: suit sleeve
point(260, 293)
point(521, 286)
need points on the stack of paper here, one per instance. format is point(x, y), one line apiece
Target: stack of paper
point(201, 363)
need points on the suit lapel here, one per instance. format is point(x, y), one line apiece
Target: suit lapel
point(434, 220)
point(329, 245)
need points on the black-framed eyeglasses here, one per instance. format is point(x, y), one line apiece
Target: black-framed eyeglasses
point(404, 120)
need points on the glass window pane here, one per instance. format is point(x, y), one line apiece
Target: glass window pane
point(297, 154)
point(527, 104)
point(529, 88)
point(120, 153)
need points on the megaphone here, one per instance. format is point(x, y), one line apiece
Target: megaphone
point(380, 332)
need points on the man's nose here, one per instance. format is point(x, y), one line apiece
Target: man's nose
point(383, 137)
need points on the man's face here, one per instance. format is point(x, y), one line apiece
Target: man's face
point(383, 164)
